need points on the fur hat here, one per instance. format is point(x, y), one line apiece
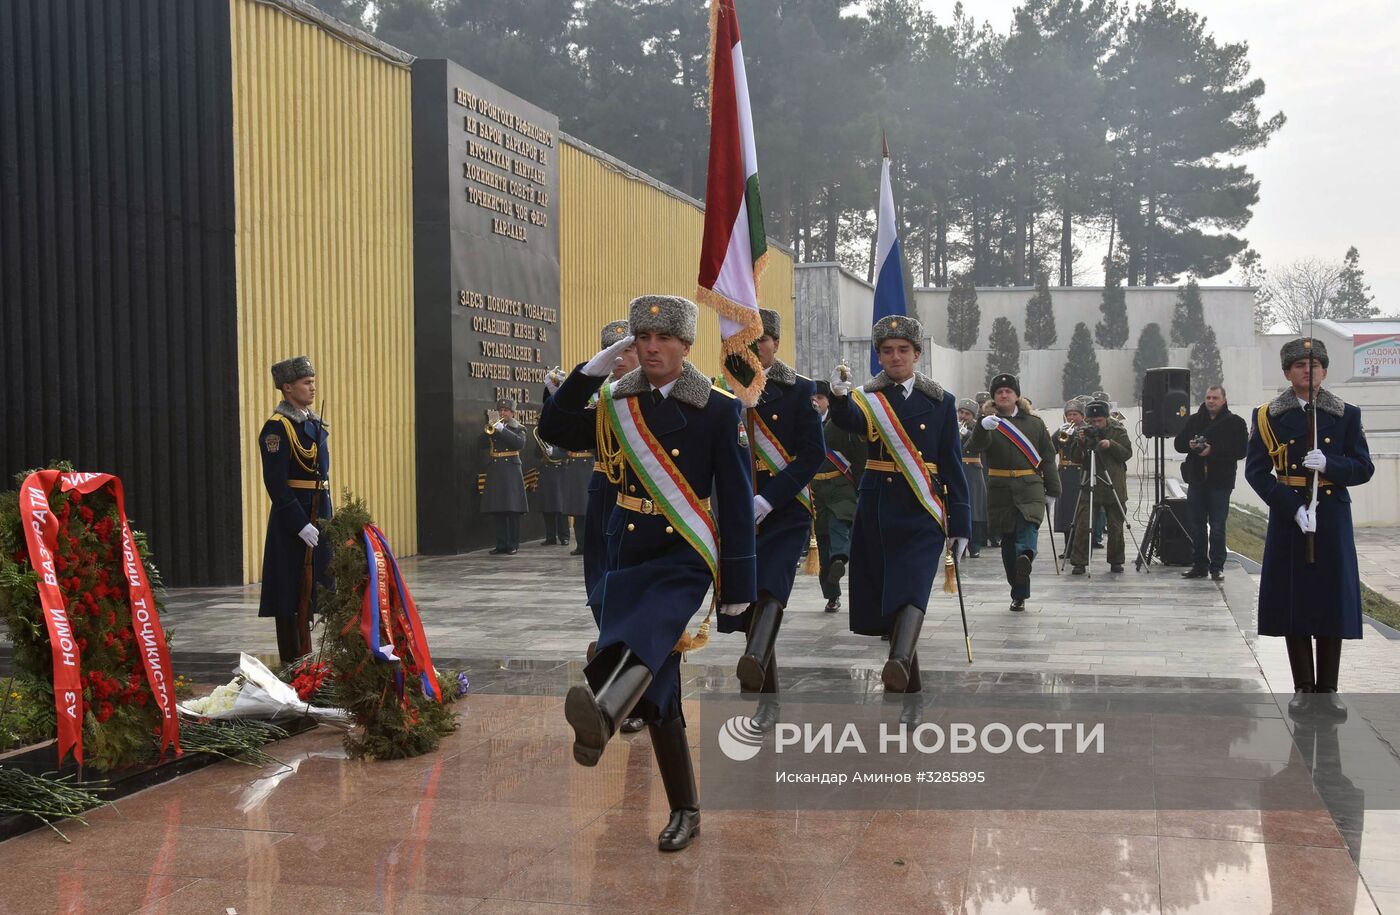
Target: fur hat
point(505, 403)
point(1097, 408)
point(1294, 350)
point(664, 314)
point(968, 404)
point(823, 388)
point(772, 322)
point(612, 332)
point(1074, 406)
point(1006, 380)
point(897, 327)
point(291, 370)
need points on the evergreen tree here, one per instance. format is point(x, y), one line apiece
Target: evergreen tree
point(1081, 375)
point(1040, 317)
point(1151, 354)
point(1005, 355)
point(1189, 317)
point(1252, 273)
point(964, 315)
point(1352, 300)
point(1112, 331)
point(1206, 366)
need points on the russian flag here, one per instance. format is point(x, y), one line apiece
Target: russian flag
point(889, 262)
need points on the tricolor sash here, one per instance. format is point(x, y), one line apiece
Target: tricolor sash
point(386, 601)
point(663, 480)
point(1018, 438)
point(881, 416)
point(774, 456)
point(841, 463)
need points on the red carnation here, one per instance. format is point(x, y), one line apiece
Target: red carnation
point(104, 712)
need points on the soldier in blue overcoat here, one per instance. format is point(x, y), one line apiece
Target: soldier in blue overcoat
point(296, 464)
point(1319, 600)
point(673, 448)
point(787, 448)
point(897, 545)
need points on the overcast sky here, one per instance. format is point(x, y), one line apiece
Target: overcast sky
point(1331, 177)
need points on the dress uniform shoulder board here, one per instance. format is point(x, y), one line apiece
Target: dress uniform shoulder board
point(722, 391)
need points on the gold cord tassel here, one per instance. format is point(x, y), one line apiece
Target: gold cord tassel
point(949, 586)
point(814, 559)
point(700, 639)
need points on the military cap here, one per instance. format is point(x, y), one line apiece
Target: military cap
point(613, 331)
point(824, 388)
point(897, 327)
point(1294, 350)
point(1074, 406)
point(505, 403)
point(1098, 408)
point(772, 322)
point(292, 370)
point(1100, 395)
point(968, 404)
point(664, 314)
point(1006, 380)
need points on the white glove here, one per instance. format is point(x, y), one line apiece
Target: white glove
point(552, 380)
point(310, 536)
point(607, 359)
point(989, 422)
point(500, 424)
point(959, 547)
point(840, 381)
point(732, 609)
point(1315, 460)
point(1307, 521)
point(761, 508)
point(1050, 504)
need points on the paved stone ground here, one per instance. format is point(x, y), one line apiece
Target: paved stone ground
point(1378, 554)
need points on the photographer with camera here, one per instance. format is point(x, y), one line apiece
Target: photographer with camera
point(1104, 446)
point(1214, 440)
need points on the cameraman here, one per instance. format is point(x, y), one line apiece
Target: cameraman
point(1108, 444)
point(1214, 441)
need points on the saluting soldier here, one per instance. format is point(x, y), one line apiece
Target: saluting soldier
point(1107, 442)
point(976, 476)
point(1022, 482)
point(504, 494)
point(1306, 437)
point(912, 494)
point(1063, 520)
point(296, 464)
point(834, 492)
point(670, 442)
point(786, 447)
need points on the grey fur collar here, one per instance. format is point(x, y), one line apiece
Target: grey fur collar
point(922, 383)
point(295, 415)
point(692, 388)
point(781, 373)
point(1326, 401)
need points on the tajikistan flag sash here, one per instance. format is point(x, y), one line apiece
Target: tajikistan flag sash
point(774, 456)
point(880, 415)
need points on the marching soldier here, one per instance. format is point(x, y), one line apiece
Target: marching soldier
point(670, 442)
point(1063, 520)
point(296, 463)
point(834, 492)
point(976, 479)
point(1022, 480)
point(504, 492)
point(1107, 443)
point(550, 495)
point(907, 502)
point(786, 446)
point(1306, 450)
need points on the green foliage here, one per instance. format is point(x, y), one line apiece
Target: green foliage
point(1040, 317)
point(1151, 354)
point(386, 727)
point(964, 315)
point(1081, 373)
point(1206, 366)
point(1188, 317)
point(1005, 354)
point(1112, 331)
point(1353, 299)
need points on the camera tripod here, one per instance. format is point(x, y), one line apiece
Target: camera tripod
point(1093, 479)
point(1160, 510)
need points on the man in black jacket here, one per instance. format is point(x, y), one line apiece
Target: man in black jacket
point(1214, 441)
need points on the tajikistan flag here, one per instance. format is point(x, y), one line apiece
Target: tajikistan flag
point(734, 249)
point(889, 262)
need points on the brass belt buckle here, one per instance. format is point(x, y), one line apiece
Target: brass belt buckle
point(648, 507)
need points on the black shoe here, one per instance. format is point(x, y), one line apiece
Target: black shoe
point(1327, 704)
point(833, 605)
point(548, 542)
point(911, 713)
point(1301, 703)
point(632, 725)
point(885, 637)
point(766, 717)
point(1022, 574)
point(1098, 544)
point(1077, 570)
point(973, 553)
point(683, 826)
point(1195, 572)
point(1217, 576)
point(577, 551)
point(1017, 605)
point(564, 541)
point(904, 641)
point(512, 552)
point(498, 552)
point(835, 571)
point(1116, 567)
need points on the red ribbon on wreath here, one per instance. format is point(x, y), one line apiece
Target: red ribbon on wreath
point(41, 534)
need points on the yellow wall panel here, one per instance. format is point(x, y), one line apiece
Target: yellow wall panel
point(323, 189)
point(622, 236)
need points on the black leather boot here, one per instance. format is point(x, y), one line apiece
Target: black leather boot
point(904, 640)
point(1326, 703)
point(764, 620)
point(678, 776)
point(1300, 662)
point(912, 713)
point(765, 718)
point(595, 713)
